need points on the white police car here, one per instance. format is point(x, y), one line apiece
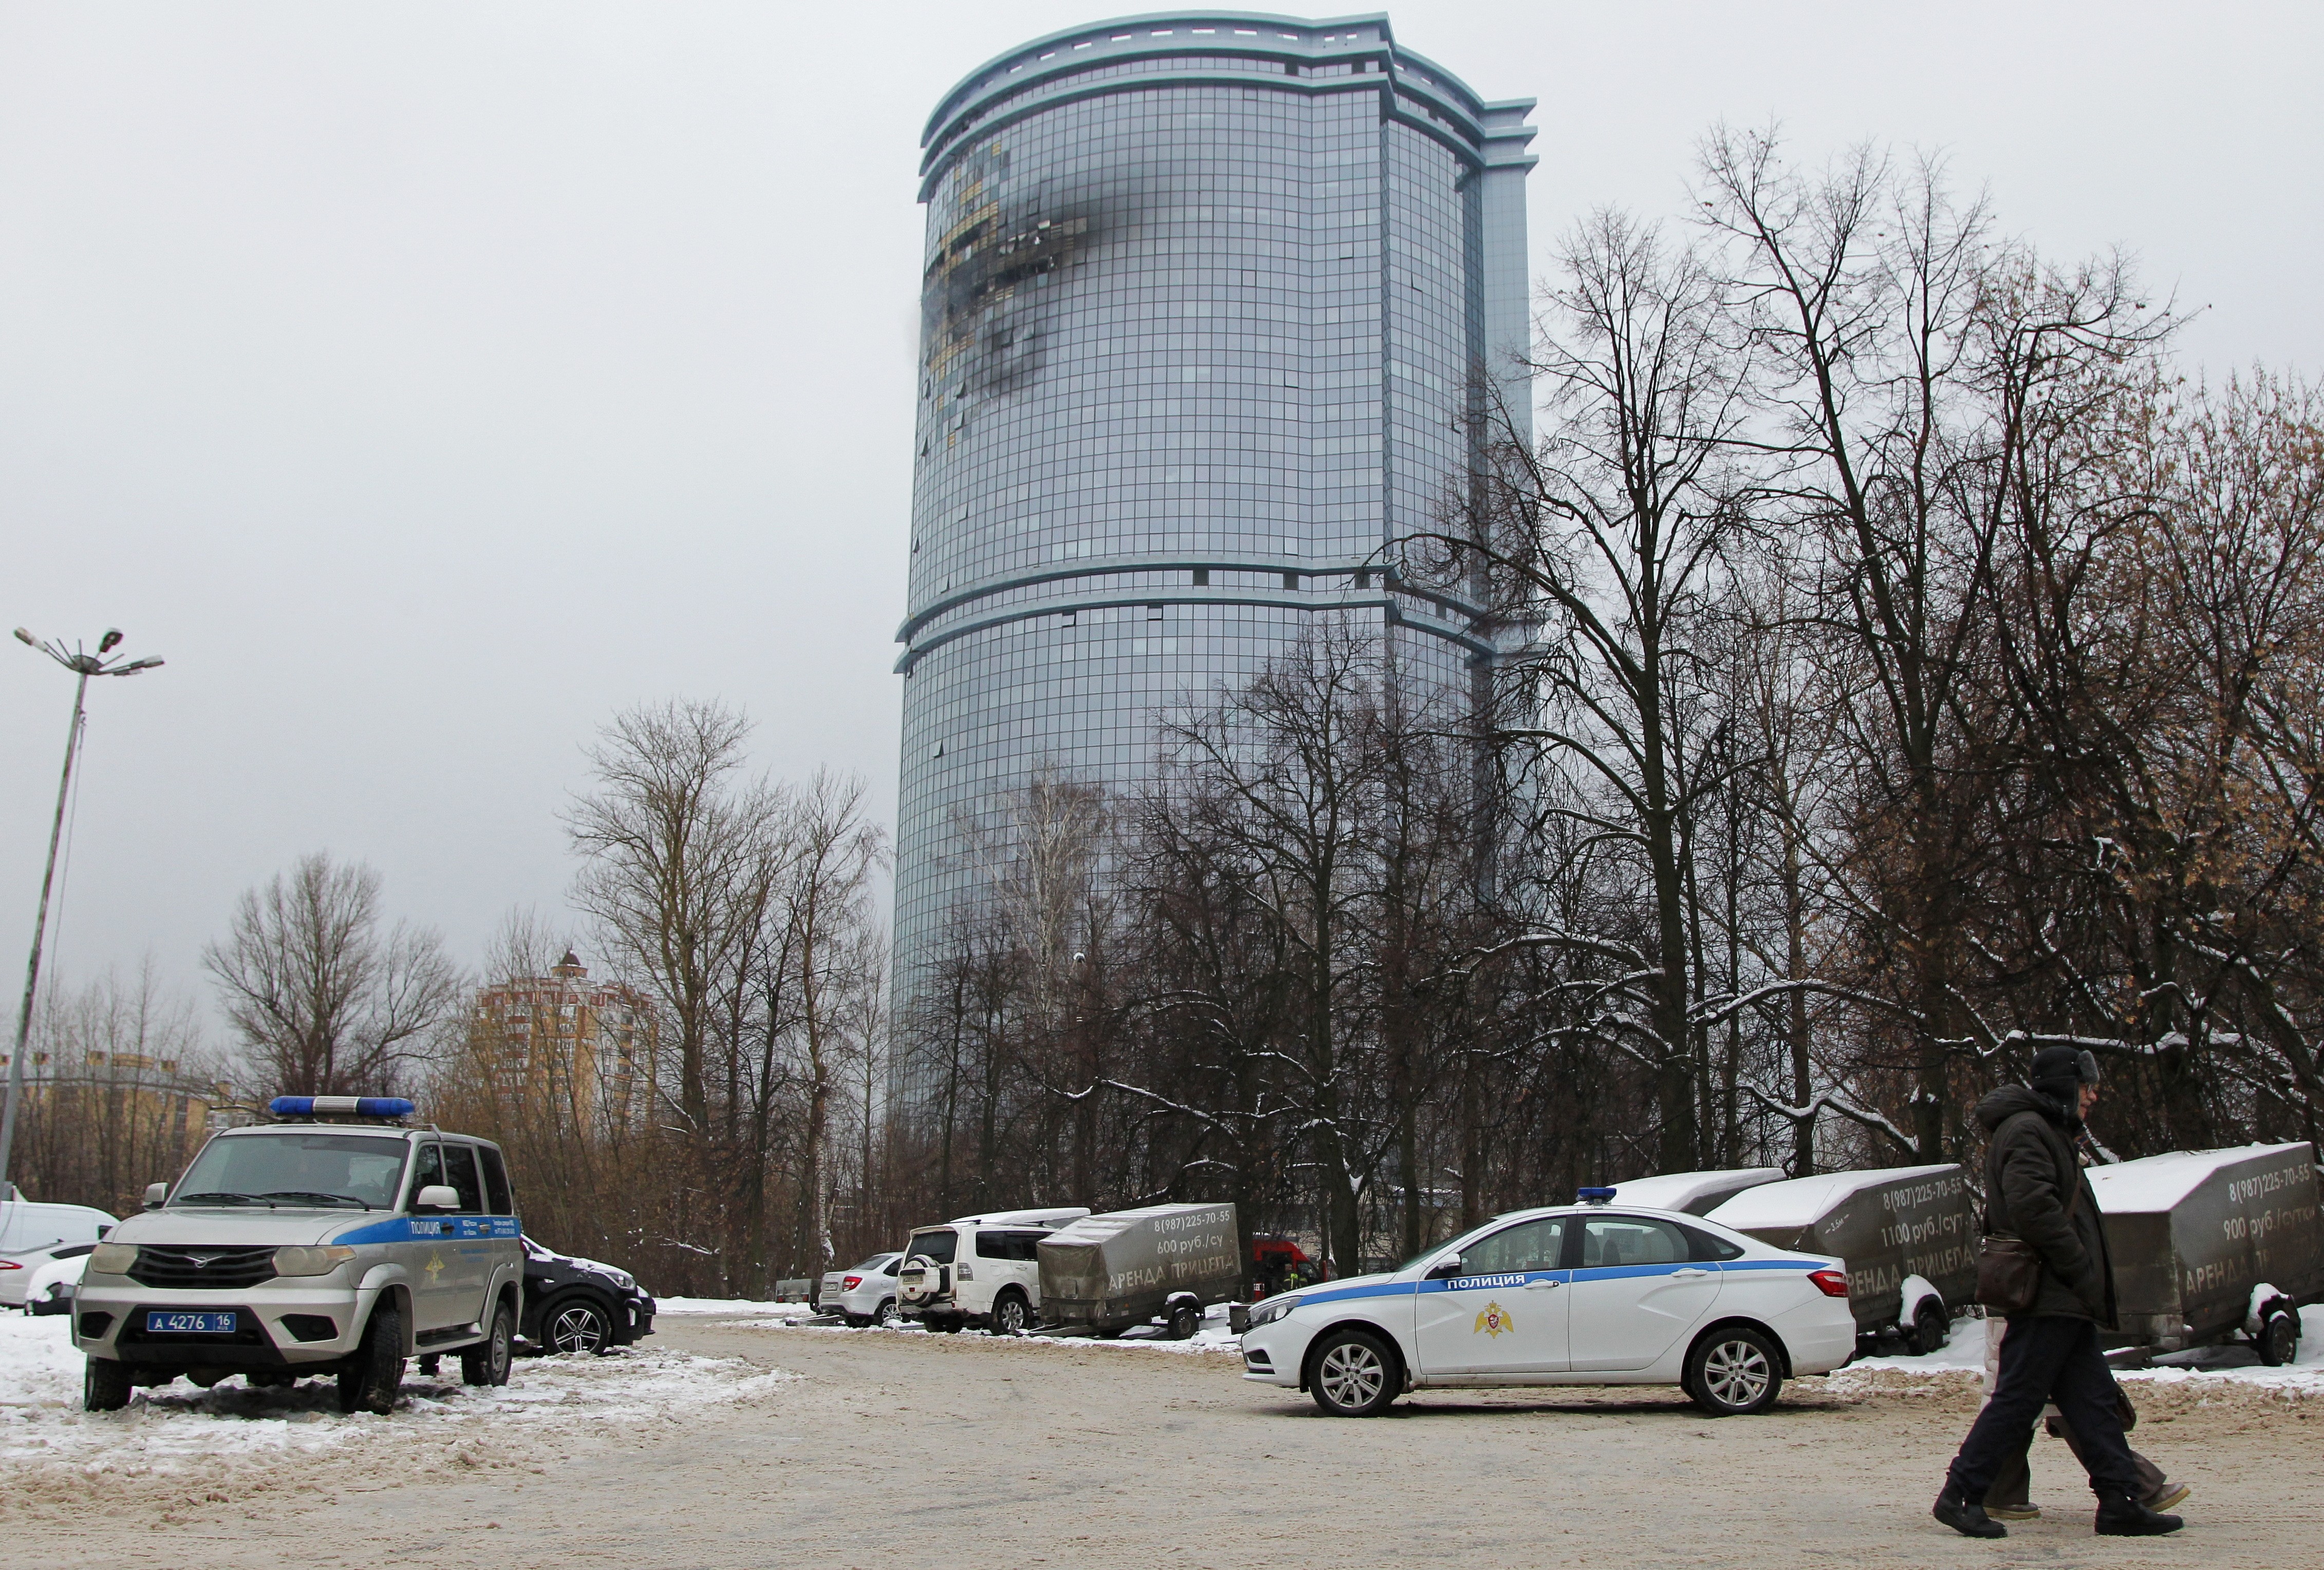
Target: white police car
point(1578, 1294)
point(337, 1241)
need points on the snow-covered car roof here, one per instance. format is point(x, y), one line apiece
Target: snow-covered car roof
point(2160, 1182)
point(1113, 1223)
point(1804, 1201)
point(1681, 1191)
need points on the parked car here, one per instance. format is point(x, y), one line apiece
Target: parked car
point(980, 1270)
point(337, 1240)
point(16, 1269)
point(1581, 1294)
point(26, 1224)
point(53, 1286)
point(578, 1305)
point(863, 1294)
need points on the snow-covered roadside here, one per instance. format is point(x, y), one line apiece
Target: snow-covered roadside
point(179, 1424)
point(2225, 1365)
point(1213, 1336)
point(734, 1307)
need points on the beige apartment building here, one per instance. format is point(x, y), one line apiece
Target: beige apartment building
point(560, 1042)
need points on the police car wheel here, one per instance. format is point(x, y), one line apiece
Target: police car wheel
point(104, 1387)
point(487, 1361)
point(1733, 1372)
point(371, 1379)
point(1010, 1315)
point(577, 1325)
point(1354, 1375)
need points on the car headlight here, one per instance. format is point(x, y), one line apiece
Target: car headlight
point(1270, 1309)
point(112, 1259)
point(302, 1261)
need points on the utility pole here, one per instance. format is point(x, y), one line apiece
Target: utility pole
point(83, 666)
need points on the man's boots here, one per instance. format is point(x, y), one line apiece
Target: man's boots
point(1966, 1516)
point(2121, 1515)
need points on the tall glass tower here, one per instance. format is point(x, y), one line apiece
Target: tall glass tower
point(1211, 303)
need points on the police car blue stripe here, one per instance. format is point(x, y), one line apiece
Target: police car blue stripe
point(409, 1228)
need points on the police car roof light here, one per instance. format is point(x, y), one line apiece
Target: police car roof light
point(340, 1106)
point(1593, 1195)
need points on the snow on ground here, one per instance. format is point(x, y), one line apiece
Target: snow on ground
point(732, 1306)
point(2235, 1364)
point(42, 1420)
point(1213, 1336)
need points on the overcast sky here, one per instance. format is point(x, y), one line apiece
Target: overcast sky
point(427, 382)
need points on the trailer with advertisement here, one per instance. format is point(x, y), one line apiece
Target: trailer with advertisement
point(1108, 1273)
point(2214, 1245)
point(1909, 1235)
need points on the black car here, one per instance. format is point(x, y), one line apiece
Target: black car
point(577, 1304)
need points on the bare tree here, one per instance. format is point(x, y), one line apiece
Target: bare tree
point(323, 1002)
point(677, 869)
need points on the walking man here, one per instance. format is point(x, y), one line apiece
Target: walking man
point(2035, 1191)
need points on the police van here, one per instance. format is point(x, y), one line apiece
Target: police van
point(337, 1240)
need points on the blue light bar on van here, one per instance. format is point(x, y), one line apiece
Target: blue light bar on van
point(345, 1105)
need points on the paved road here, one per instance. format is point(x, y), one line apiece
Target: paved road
point(934, 1452)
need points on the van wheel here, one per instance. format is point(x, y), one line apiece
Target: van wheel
point(1354, 1375)
point(1010, 1315)
point(1185, 1320)
point(103, 1386)
point(1931, 1327)
point(370, 1381)
point(1733, 1372)
point(487, 1361)
point(2279, 1341)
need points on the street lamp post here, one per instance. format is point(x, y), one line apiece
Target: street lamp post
point(83, 666)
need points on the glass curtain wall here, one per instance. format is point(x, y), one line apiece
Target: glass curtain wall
point(1210, 308)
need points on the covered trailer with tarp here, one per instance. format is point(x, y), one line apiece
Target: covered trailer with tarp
point(2211, 1245)
point(1132, 1267)
point(1693, 1193)
point(1908, 1234)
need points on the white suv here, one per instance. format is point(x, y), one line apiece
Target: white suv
point(980, 1270)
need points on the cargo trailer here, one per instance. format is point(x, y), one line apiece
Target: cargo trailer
point(2213, 1245)
point(1909, 1235)
point(1132, 1267)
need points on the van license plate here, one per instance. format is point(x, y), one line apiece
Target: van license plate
point(157, 1323)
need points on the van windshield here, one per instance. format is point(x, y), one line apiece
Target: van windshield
point(936, 1246)
point(303, 1169)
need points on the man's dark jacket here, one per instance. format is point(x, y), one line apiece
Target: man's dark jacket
point(2031, 1177)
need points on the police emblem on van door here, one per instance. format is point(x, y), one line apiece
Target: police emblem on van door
point(1493, 1321)
point(434, 1268)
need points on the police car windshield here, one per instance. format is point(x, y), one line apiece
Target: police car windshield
point(935, 1247)
point(305, 1169)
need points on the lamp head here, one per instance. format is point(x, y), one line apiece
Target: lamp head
point(25, 637)
point(110, 641)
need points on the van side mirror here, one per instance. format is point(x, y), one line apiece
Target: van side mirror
point(155, 1194)
point(1444, 1269)
point(435, 1196)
